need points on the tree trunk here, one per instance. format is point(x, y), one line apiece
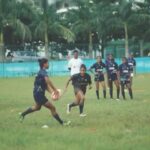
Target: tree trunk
point(1, 47)
point(46, 42)
point(90, 45)
point(126, 40)
point(141, 48)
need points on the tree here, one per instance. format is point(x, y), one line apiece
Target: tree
point(83, 22)
point(49, 23)
point(140, 24)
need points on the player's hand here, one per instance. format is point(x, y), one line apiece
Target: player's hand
point(56, 93)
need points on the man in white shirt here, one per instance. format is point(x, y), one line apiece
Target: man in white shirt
point(75, 64)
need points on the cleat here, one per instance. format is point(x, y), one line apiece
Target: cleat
point(68, 109)
point(21, 118)
point(83, 115)
point(44, 127)
point(67, 123)
point(117, 99)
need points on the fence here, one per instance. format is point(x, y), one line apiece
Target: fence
point(58, 68)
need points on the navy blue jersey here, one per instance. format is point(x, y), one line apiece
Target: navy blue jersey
point(107, 61)
point(40, 84)
point(111, 67)
point(98, 67)
point(131, 63)
point(81, 82)
point(124, 70)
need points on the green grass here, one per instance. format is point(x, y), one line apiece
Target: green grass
point(110, 125)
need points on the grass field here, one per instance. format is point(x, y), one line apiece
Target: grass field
point(109, 125)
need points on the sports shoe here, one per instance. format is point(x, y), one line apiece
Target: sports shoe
point(67, 123)
point(83, 115)
point(21, 118)
point(117, 99)
point(68, 109)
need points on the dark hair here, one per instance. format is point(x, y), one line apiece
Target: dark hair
point(83, 66)
point(75, 51)
point(42, 61)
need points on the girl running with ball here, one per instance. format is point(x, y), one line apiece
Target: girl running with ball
point(41, 84)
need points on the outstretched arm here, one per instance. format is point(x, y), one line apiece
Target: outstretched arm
point(68, 83)
point(90, 82)
point(50, 86)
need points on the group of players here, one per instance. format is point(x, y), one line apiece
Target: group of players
point(120, 75)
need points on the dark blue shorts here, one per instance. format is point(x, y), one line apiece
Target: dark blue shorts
point(113, 77)
point(40, 98)
point(76, 90)
point(125, 81)
point(99, 78)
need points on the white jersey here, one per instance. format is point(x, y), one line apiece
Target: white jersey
point(75, 65)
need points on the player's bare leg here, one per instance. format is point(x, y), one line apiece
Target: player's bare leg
point(111, 89)
point(123, 90)
point(73, 104)
point(52, 108)
point(32, 109)
point(129, 86)
point(81, 98)
point(97, 89)
point(104, 88)
point(118, 88)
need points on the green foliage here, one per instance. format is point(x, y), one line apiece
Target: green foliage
point(98, 21)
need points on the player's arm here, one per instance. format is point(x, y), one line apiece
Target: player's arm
point(69, 65)
point(90, 83)
point(68, 83)
point(91, 69)
point(50, 86)
point(104, 66)
point(118, 74)
point(118, 71)
point(134, 67)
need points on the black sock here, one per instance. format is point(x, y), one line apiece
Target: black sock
point(104, 93)
point(81, 106)
point(97, 94)
point(28, 111)
point(118, 93)
point(72, 105)
point(130, 93)
point(56, 116)
point(123, 94)
point(111, 92)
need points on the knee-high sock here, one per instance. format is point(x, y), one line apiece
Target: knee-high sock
point(111, 89)
point(104, 93)
point(73, 105)
point(97, 94)
point(81, 106)
point(130, 93)
point(118, 92)
point(28, 111)
point(122, 91)
point(56, 116)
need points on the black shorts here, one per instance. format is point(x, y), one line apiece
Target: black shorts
point(99, 78)
point(40, 98)
point(125, 82)
point(76, 90)
point(113, 77)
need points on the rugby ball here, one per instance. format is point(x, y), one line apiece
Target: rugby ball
point(55, 97)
